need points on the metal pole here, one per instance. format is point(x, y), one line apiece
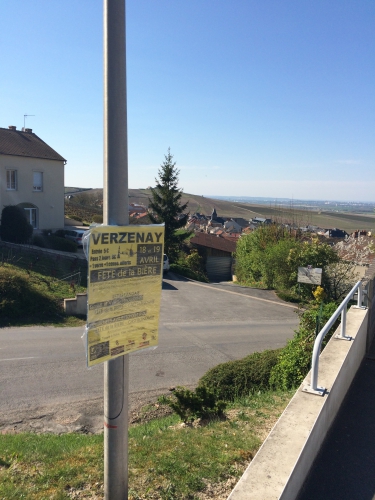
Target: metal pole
point(322, 334)
point(360, 296)
point(343, 322)
point(115, 212)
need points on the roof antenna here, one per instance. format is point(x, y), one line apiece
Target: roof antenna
point(24, 121)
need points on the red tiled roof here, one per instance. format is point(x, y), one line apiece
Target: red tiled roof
point(213, 241)
point(18, 143)
point(232, 236)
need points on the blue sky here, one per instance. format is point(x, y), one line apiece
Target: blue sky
point(254, 98)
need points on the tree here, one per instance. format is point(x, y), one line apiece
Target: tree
point(340, 278)
point(271, 254)
point(14, 226)
point(165, 203)
point(315, 254)
point(263, 255)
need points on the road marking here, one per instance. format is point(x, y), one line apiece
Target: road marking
point(243, 295)
point(17, 359)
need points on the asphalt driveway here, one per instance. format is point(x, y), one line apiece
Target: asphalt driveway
point(43, 370)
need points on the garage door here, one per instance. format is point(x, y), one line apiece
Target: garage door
point(219, 268)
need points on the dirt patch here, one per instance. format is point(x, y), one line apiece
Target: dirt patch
point(82, 416)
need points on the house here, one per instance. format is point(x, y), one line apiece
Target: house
point(259, 221)
point(135, 207)
point(218, 231)
point(360, 232)
point(231, 226)
point(215, 220)
point(336, 233)
point(217, 254)
point(32, 177)
point(241, 221)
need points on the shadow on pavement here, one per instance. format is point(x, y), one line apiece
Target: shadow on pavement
point(345, 466)
point(174, 277)
point(168, 286)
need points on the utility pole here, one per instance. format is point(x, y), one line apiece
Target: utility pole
point(115, 212)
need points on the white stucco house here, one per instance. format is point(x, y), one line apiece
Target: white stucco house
point(231, 226)
point(32, 177)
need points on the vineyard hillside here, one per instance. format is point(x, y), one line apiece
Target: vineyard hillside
point(85, 204)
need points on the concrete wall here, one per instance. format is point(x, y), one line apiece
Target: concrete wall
point(77, 306)
point(31, 249)
point(280, 467)
point(49, 202)
point(371, 306)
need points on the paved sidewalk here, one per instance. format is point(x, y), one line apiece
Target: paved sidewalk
point(345, 466)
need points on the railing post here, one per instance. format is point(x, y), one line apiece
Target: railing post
point(343, 323)
point(360, 296)
point(314, 370)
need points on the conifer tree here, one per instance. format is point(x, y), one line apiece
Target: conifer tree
point(165, 203)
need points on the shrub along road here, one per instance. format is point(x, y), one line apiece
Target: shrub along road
point(44, 383)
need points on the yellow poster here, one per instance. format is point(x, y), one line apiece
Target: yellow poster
point(124, 290)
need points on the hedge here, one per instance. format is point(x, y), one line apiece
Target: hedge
point(240, 378)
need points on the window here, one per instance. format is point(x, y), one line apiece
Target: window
point(31, 216)
point(37, 181)
point(12, 180)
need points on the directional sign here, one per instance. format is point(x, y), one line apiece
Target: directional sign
point(310, 275)
point(124, 290)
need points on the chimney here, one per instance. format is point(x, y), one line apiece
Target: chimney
point(28, 130)
point(12, 127)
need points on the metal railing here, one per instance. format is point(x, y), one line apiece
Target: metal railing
point(313, 387)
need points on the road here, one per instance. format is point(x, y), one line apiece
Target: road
point(43, 371)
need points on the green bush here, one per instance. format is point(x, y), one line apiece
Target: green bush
point(295, 359)
point(60, 232)
point(14, 226)
point(201, 403)
point(98, 219)
point(312, 253)
point(63, 244)
point(289, 296)
point(272, 255)
point(38, 240)
point(194, 261)
point(54, 243)
point(262, 255)
point(240, 378)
